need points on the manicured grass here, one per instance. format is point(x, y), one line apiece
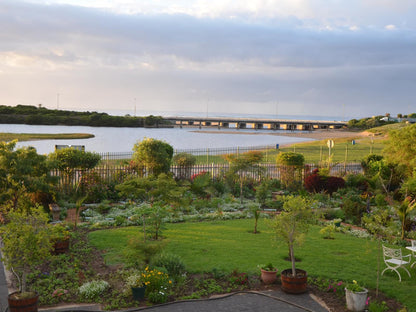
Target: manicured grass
point(6, 136)
point(316, 151)
point(343, 150)
point(229, 245)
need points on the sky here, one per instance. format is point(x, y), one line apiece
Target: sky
point(335, 58)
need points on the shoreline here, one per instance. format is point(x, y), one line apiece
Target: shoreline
point(315, 134)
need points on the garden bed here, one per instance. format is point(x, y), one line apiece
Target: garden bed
point(84, 263)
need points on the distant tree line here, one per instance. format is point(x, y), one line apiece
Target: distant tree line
point(376, 121)
point(33, 115)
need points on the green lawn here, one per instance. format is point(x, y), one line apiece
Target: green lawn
point(228, 245)
point(6, 136)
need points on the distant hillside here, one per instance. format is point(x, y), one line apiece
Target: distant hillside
point(32, 115)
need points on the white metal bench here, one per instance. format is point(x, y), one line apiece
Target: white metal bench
point(413, 250)
point(394, 259)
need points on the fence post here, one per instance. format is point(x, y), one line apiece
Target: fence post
point(320, 156)
point(346, 158)
point(207, 155)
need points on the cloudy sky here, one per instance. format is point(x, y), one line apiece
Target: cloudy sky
point(338, 58)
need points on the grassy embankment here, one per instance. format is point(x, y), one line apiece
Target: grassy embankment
point(229, 245)
point(317, 151)
point(7, 137)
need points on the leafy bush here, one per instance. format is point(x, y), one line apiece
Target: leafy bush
point(291, 165)
point(333, 184)
point(172, 263)
point(158, 285)
point(93, 289)
point(354, 208)
point(358, 181)
point(200, 183)
point(140, 252)
point(317, 182)
point(314, 183)
point(184, 161)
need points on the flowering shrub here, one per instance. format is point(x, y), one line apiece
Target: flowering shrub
point(239, 279)
point(330, 286)
point(158, 285)
point(137, 280)
point(59, 292)
point(93, 289)
point(337, 288)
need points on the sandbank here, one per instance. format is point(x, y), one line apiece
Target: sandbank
point(315, 134)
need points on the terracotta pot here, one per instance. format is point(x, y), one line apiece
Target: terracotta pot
point(294, 284)
point(268, 277)
point(23, 304)
point(356, 301)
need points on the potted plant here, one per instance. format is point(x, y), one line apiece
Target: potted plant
point(337, 222)
point(291, 225)
point(26, 244)
point(138, 284)
point(268, 273)
point(356, 296)
point(60, 237)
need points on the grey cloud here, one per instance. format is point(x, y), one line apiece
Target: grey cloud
point(306, 69)
point(275, 43)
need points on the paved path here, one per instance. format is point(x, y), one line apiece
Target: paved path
point(267, 301)
point(4, 290)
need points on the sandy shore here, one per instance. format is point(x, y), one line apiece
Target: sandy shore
point(316, 134)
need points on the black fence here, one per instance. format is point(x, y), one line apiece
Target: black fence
point(196, 152)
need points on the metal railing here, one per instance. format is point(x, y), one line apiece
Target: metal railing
point(269, 170)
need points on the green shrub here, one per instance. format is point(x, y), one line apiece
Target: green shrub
point(93, 289)
point(358, 181)
point(172, 263)
point(354, 208)
point(140, 253)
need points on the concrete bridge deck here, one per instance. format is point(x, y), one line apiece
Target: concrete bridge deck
point(255, 123)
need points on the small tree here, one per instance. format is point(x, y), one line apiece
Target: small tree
point(22, 172)
point(241, 164)
point(256, 211)
point(291, 167)
point(293, 222)
point(404, 211)
point(68, 160)
point(379, 223)
point(153, 156)
point(184, 161)
point(400, 147)
point(26, 243)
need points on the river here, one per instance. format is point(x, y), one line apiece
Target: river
point(110, 140)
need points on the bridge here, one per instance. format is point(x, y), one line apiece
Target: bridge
point(255, 123)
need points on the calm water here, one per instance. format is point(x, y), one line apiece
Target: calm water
point(123, 139)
